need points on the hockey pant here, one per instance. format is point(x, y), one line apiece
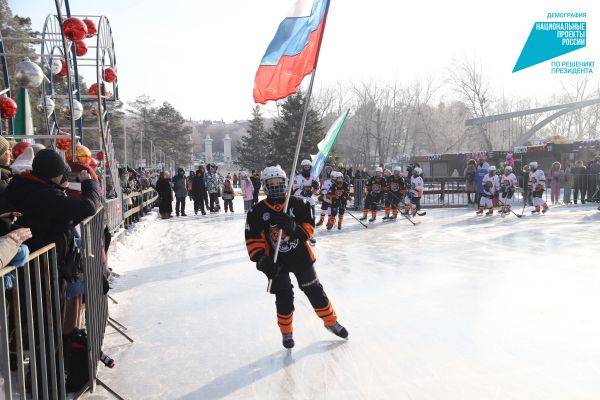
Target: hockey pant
point(392, 200)
point(371, 202)
point(538, 200)
point(486, 202)
point(309, 283)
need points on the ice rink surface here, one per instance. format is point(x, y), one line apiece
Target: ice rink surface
point(458, 307)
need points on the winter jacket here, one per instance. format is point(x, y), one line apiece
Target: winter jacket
point(214, 181)
point(247, 188)
point(566, 177)
point(482, 171)
point(256, 183)
point(579, 175)
point(199, 184)
point(8, 249)
point(594, 168)
point(180, 186)
point(47, 210)
point(228, 193)
point(469, 175)
point(5, 177)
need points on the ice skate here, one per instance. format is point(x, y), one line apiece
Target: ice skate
point(287, 340)
point(545, 210)
point(321, 220)
point(338, 330)
point(480, 212)
point(372, 219)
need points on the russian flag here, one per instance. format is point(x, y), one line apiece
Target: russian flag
point(293, 52)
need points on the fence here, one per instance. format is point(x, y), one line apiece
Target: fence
point(35, 343)
point(136, 204)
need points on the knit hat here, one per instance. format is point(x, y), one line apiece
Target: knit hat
point(23, 162)
point(4, 145)
point(49, 164)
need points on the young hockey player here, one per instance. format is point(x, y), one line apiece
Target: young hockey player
point(339, 193)
point(417, 186)
point(374, 188)
point(325, 201)
point(396, 191)
point(489, 189)
point(538, 184)
point(508, 185)
point(264, 222)
point(306, 185)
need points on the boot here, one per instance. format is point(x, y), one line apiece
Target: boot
point(330, 223)
point(373, 216)
point(287, 340)
point(321, 220)
point(364, 217)
point(340, 219)
point(480, 212)
point(338, 330)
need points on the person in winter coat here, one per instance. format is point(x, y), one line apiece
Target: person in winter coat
point(481, 172)
point(579, 181)
point(554, 178)
point(5, 171)
point(199, 193)
point(180, 189)
point(527, 189)
point(165, 195)
point(567, 183)
point(594, 177)
point(255, 179)
point(247, 191)
point(235, 180)
point(469, 174)
point(214, 181)
point(509, 160)
point(228, 195)
point(190, 179)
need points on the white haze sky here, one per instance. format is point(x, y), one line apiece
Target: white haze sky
point(202, 55)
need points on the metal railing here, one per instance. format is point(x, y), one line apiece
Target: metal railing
point(137, 204)
point(34, 343)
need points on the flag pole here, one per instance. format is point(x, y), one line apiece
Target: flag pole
point(299, 141)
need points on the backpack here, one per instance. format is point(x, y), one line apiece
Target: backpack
point(77, 371)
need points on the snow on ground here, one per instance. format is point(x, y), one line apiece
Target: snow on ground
point(458, 307)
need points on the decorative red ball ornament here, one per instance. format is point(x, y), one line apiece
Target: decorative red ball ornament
point(74, 29)
point(82, 154)
point(19, 148)
point(91, 27)
point(100, 156)
point(81, 48)
point(110, 75)
point(63, 69)
point(93, 91)
point(8, 107)
point(63, 144)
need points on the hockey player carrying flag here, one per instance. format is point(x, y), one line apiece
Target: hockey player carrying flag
point(489, 188)
point(374, 188)
point(264, 223)
point(537, 179)
point(508, 185)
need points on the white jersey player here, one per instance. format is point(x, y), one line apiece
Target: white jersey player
point(508, 185)
point(325, 200)
point(537, 180)
point(486, 201)
point(413, 198)
point(306, 184)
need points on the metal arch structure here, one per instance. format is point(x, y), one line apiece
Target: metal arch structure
point(512, 128)
point(5, 89)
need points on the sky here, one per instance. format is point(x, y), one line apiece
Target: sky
point(202, 55)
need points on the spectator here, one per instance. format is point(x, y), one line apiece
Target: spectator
point(165, 195)
point(510, 160)
point(554, 179)
point(228, 194)
point(235, 180)
point(481, 171)
point(469, 174)
point(11, 247)
point(199, 194)
point(247, 191)
point(5, 171)
point(214, 181)
point(594, 172)
point(527, 192)
point(567, 183)
point(190, 180)
point(256, 184)
point(579, 181)
point(180, 189)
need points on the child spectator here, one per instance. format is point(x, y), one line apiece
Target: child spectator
point(228, 194)
point(247, 191)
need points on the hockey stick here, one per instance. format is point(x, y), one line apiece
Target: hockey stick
point(359, 221)
point(420, 214)
point(510, 209)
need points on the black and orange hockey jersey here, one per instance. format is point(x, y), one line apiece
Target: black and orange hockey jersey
point(376, 185)
point(396, 185)
point(261, 235)
point(339, 192)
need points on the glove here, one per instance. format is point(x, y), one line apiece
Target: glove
point(21, 257)
point(266, 265)
point(285, 222)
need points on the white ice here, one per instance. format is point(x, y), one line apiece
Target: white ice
point(458, 307)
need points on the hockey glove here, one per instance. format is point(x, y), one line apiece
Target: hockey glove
point(284, 222)
point(266, 265)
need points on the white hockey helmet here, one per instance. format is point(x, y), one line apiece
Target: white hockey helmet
point(378, 170)
point(533, 164)
point(306, 163)
point(336, 175)
point(398, 169)
point(243, 174)
point(417, 171)
point(274, 190)
point(492, 168)
point(508, 169)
